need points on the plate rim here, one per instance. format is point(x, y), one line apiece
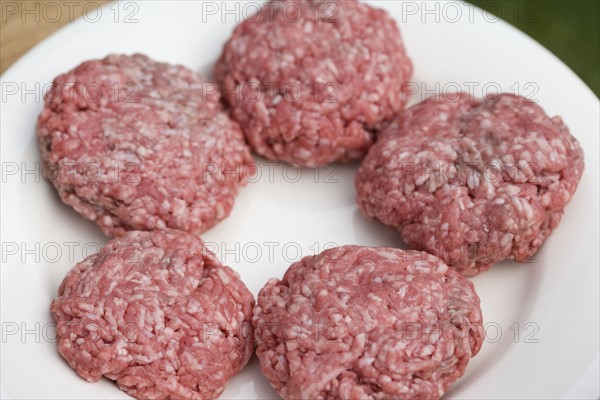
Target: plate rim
point(59, 35)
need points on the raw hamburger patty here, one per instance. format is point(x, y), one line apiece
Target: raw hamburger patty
point(157, 313)
point(311, 81)
point(367, 323)
point(136, 144)
point(473, 182)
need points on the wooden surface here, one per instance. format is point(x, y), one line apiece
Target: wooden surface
point(23, 24)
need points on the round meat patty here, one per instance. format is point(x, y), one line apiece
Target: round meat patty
point(133, 144)
point(473, 182)
point(157, 313)
point(367, 323)
point(311, 82)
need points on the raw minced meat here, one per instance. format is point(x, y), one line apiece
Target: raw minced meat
point(157, 313)
point(133, 144)
point(473, 182)
point(311, 82)
point(367, 323)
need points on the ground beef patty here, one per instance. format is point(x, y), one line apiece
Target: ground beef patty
point(367, 323)
point(157, 313)
point(131, 143)
point(311, 81)
point(474, 182)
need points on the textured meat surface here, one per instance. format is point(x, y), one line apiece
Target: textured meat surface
point(133, 144)
point(157, 313)
point(310, 82)
point(473, 182)
point(367, 323)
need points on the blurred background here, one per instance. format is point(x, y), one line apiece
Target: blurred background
point(568, 28)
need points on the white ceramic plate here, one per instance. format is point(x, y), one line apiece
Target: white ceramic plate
point(542, 317)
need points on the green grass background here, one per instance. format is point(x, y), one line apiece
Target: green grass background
point(568, 28)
